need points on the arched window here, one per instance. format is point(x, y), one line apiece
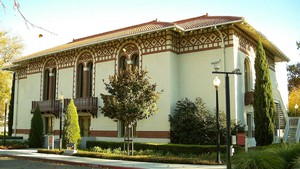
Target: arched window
point(123, 63)
point(247, 75)
point(46, 84)
point(49, 84)
point(53, 83)
point(135, 60)
point(80, 80)
point(90, 79)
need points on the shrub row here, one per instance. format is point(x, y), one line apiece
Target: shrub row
point(175, 149)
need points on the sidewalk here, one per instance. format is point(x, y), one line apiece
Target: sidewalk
point(96, 162)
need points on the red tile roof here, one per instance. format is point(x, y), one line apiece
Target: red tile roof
point(206, 21)
point(148, 26)
point(183, 25)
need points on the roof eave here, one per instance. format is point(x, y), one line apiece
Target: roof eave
point(99, 41)
point(279, 55)
point(213, 25)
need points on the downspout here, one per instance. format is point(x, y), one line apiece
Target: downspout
point(16, 106)
point(222, 46)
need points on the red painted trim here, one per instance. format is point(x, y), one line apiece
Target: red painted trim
point(98, 133)
point(23, 131)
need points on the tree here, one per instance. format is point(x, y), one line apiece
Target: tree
point(263, 104)
point(298, 45)
point(11, 106)
point(294, 98)
point(71, 132)
point(10, 47)
point(36, 130)
point(16, 6)
point(293, 76)
point(131, 98)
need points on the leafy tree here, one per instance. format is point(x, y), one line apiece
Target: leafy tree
point(298, 44)
point(294, 98)
point(11, 107)
point(10, 47)
point(71, 132)
point(263, 100)
point(131, 97)
point(293, 76)
point(36, 130)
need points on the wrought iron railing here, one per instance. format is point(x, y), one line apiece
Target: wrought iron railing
point(85, 104)
point(47, 106)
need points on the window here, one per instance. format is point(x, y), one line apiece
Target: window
point(135, 60)
point(79, 80)
point(123, 63)
point(247, 75)
point(90, 80)
point(49, 84)
point(46, 85)
point(49, 125)
point(84, 125)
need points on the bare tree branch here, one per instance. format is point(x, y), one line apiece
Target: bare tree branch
point(27, 22)
point(16, 6)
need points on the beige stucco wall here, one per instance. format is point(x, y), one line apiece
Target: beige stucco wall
point(103, 71)
point(27, 91)
point(160, 67)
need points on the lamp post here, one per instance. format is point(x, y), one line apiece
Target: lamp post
point(296, 108)
point(216, 83)
point(60, 121)
point(5, 113)
point(228, 121)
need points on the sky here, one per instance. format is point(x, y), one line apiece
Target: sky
point(72, 19)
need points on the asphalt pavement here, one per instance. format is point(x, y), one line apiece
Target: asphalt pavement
point(31, 154)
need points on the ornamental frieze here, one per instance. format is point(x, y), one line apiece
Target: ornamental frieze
point(201, 40)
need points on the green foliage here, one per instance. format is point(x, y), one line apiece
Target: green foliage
point(35, 139)
point(192, 123)
point(293, 76)
point(258, 160)
point(175, 149)
point(269, 157)
point(263, 104)
point(71, 131)
point(11, 107)
point(10, 47)
point(131, 97)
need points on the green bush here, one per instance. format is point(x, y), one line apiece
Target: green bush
point(35, 139)
point(192, 123)
point(281, 156)
point(71, 132)
point(258, 160)
point(175, 149)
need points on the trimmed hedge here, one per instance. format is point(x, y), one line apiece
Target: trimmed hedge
point(175, 149)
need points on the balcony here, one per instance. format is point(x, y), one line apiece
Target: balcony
point(249, 98)
point(85, 104)
point(47, 107)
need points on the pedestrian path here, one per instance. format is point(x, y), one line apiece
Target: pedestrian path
point(100, 163)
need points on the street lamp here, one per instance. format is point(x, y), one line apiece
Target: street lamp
point(60, 120)
point(216, 83)
point(5, 113)
point(296, 107)
point(228, 121)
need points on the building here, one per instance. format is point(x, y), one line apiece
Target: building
point(178, 56)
